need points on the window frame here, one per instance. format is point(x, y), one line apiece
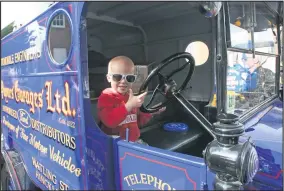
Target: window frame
point(228, 32)
point(250, 112)
point(58, 19)
point(48, 36)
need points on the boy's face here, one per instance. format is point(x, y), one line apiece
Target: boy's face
point(121, 76)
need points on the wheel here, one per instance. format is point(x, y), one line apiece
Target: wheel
point(6, 183)
point(167, 86)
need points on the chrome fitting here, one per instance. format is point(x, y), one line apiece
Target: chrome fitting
point(234, 163)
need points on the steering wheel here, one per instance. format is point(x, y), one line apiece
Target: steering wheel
point(167, 86)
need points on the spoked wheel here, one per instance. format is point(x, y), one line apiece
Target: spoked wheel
point(167, 86)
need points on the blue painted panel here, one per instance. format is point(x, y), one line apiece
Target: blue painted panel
point(150, 168)
point(101, 162)
point(51, 141)
point(265, 129)
point(267, 134)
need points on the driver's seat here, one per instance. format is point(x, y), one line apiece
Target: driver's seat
point(155, 135)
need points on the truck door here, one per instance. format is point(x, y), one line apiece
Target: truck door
point(145, 167)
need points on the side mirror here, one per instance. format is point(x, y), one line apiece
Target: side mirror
point(210, 9)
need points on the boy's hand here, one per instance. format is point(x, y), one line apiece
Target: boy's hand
point(134, 101)
point(160, 110)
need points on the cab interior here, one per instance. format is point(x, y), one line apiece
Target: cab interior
point(149, 32)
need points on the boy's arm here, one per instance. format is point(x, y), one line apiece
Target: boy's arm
point(144, 118)
point(109, 115)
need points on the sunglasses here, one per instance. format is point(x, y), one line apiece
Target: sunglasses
point(130, 78)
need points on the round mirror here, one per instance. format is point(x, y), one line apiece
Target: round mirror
point(59, 38)
point(200, 52)
point(210, 9)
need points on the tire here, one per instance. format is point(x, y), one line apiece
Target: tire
point(6, 183)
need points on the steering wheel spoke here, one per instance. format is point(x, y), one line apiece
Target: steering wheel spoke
point(175, 71)
point(166, 86)
point(162, 78)
point(157, 89)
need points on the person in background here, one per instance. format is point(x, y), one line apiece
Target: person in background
point(260, 82)
point(235, 79)
point(258, 79)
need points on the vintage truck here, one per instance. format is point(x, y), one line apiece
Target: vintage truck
point(215, 66)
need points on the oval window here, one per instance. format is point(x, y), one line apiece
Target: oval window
point(59, 38)
point(200, 52)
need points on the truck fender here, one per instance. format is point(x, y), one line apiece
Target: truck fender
point(14, 167)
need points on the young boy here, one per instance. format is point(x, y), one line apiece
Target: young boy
point(118, 108)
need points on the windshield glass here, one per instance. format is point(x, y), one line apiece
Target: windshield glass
point(243, 15)
point(249, 80)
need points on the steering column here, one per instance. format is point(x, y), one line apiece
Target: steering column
point(235, 163)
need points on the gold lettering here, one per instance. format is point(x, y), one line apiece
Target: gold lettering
point(28, 97)
point(31, 56)
point(6, 92)
point(150, 179)
point(62, 138)
point(8, 124)
point(126, 179)
point(10, 111)
point(66, 102)
point(133, 179)
point(73, 144)
point(59, 159)
point(57, 96)
point(137, 181)
point(37, 145)
point(63, 186)
point(166, 185)
point(77, 172)
point(72, 167)
point(67, 140)
point(16, 58)
point(23, 135)
point(143, 178)
point(40, 104)
point(34, 99)
point(44, 181)
point(2, 89)
point(46, 172)
point(66, 164)
point(53, 133)
point(32, 109)
point(17, 92)
point(21, 56)
point(48, 86)
point(157, 184)
point(7, 60)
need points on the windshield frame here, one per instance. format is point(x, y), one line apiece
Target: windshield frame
point(221, 67)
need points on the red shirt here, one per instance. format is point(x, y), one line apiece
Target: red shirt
point(115, 118)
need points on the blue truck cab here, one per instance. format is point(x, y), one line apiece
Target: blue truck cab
point(213, 135)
